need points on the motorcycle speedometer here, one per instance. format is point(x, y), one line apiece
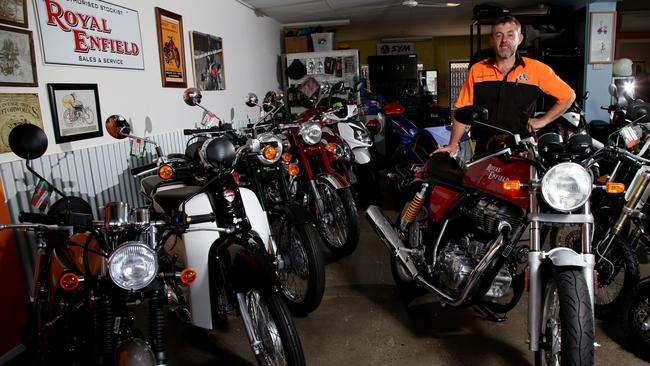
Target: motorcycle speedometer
point(310, 132)
point(566, 186)
point(132, 266)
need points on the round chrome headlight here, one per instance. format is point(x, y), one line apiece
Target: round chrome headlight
point(566, 186)
point(270, 154)
point(132, 266)
point(310, 132)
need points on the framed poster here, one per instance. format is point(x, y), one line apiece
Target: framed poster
point(14, 12)
point(75, 111)
point(602, 30)
point(17, 65)
point(171, 49)
point(17, 109)
point(207, 61)
point(91, 33)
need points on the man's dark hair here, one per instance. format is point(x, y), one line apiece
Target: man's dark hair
point(507, 19)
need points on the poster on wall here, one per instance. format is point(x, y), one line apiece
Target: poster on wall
point(75, 111)
point(171, 49)
point(17, 63)
point(89, 33)
point(207, 59)
point(17, 109)
point(13, 12)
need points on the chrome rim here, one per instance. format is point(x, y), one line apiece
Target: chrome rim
point(265, 329)
point(551, 339)
point(333, 223)
point(294, 274)
point(640, 320)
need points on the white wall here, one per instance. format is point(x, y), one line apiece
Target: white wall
point(251, 51)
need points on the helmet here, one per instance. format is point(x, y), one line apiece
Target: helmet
point(622, 67)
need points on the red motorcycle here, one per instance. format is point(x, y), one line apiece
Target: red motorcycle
point(458, 238)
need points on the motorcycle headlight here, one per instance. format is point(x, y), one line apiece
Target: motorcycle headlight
point(566, 186)
point(310, 132)
point(271, 153)
point(132, 266)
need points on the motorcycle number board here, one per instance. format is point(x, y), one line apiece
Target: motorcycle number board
point(89, 33)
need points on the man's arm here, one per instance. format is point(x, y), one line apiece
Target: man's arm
point(457, 131)
point(555, 112)
point(551, 84)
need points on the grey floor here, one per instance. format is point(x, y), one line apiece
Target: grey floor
point(362, 321)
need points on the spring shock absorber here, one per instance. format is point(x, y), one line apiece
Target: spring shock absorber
point(106, 318)
point(157, 327)
point(411, 211)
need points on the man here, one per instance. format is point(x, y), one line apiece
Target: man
point(214, 78)
point(508, 85)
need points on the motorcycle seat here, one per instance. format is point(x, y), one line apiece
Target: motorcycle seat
point(444, 168)
point(172, 198)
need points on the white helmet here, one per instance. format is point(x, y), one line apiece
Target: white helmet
point(622, 67)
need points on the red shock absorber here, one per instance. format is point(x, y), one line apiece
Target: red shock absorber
point(412, 210)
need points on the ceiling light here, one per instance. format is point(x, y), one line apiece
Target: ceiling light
point(321, 23)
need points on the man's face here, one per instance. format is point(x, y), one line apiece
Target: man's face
point(505, 39)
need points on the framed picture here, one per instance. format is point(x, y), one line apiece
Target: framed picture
point(171, 49)
point(13, 12)
point(17, 58)
point(207, 61)
point(75, 111)
point(17, 109)
point(602, 30)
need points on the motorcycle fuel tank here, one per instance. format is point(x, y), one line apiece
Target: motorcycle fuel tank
point(489, 174)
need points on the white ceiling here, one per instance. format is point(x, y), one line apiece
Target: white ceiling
point(374, 19)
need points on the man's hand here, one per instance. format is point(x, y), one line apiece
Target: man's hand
point(449, 149)
point(534, 124)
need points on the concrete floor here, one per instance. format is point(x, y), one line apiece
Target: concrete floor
point(362, 321)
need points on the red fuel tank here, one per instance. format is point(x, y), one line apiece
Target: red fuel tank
point(487, 175)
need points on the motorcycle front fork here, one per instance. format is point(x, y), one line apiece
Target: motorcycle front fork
point(256, 343)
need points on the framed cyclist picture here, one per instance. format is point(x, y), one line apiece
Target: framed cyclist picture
point(75, 111)
point(171, 49)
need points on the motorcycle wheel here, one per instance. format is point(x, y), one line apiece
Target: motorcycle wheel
point(636, 310)
point(177, 58)
point(618, 271)
point(339, 225)
point(273, 326)
point(567, 326)
point(303, 277)
point(87, 116)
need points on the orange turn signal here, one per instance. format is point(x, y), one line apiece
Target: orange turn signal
point(235, 176)
point(612, 187)
point(293, 170)
point(512, 185)
point(69, 281)
point(602, 179)
point(188, 275)
point(286, 157)
point(331, 147)
point(166, 172)
point(269, 152)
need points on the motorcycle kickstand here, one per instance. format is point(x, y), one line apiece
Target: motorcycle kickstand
point(488, 314)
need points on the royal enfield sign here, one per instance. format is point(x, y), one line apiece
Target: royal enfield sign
point(90, 33)
point(403, 48)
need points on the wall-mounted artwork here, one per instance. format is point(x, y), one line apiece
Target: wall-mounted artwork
point(75, 111)
point(207, 60)
point(89, 33)
point(17, 63)
point(17, 109)
point(13, 12)
point(171, 49)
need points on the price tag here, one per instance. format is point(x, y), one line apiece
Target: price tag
point(137, 148)
point(629, 136)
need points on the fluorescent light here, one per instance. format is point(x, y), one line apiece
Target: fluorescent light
point(322, 23)
point(406, 39)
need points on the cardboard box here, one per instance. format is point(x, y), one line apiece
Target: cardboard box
point(323, 41)
point(296, 44)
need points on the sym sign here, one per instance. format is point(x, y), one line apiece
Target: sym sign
point(89, 33)
point(403, 48)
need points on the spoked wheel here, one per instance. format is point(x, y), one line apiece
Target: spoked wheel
point(567, 327)
point(274, 328)
point(338, 223)
point(303, 273)
point(636, 320)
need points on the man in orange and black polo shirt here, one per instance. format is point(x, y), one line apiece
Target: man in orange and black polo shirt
point(508, 85)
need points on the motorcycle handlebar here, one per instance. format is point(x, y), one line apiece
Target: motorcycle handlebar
point(39, 218)
point(198, 219)
point(141, 169)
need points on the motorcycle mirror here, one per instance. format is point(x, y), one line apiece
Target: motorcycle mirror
point(471, 114)
point(192, 96)
point(118, 127)
point(612, 90)
point(28, 141)
point(252, 100)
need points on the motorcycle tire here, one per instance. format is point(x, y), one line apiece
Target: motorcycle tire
point(618, 272)
point(297, 245)
point(636, 308)
point(341, 203)
point(274, 327)
point(566, 305)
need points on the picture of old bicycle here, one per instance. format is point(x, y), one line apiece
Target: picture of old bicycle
point(75, 113)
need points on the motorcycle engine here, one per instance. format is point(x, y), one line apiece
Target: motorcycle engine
point(456, 261)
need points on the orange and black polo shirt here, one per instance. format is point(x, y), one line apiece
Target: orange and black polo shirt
point(511, 98)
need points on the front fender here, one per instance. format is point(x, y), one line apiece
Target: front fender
point(362, 155)
point(563, 257)
point(297, 213)
point(336, 180)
